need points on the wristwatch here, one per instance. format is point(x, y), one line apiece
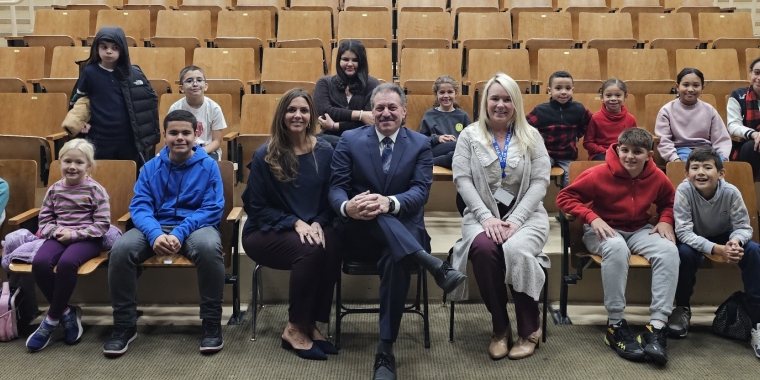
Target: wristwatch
point(391, 205)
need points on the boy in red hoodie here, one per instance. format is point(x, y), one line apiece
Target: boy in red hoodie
point(613, 201)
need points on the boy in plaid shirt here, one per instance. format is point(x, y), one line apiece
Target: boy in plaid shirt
point(561, 122)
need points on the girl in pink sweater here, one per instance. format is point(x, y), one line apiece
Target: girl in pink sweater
point(687, 122)
point(74, 217)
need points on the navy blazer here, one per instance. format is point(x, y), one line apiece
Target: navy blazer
point(357, 167)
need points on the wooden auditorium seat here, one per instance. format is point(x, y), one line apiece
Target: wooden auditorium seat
point(185, 29)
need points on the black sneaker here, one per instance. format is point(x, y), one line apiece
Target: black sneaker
point(620, 339)
point(119, 341)
point(655, 342)
point(212, 337)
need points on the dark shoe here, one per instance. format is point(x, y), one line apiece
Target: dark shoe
point(619, 338)
point(72, 325)
point(314, 353)
point(326, 347)
point(385, 367)
point(655, 342)
point(448, 278)
point(212, 337)
point(678, 324)
point(119, 341)
point(41, 337)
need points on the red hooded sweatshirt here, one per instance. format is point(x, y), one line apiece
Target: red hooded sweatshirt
point(604, 128)
point(609, 192)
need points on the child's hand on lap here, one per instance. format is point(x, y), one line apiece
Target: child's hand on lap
point(733, 251)
point(446, 138)
point(162, 245)
point(665, 230)
point(602, 229)
point(63, 236)
point(174, 244)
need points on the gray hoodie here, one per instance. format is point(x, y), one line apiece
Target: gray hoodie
point(698, 219)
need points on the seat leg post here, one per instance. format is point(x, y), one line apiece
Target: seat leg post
point(254, 301)
point(237, 314)
point(451, 322)
point(426, 315)
point(338, 307)
point(420, 275)
point(546, 304)
point(560, 318)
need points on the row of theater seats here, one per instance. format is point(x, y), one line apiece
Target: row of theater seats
point(532, 30)
point(452, 8)
point(233, 70)
point(32, 128)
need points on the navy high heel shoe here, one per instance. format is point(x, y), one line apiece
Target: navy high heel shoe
point(326, 347)
point(314, 353)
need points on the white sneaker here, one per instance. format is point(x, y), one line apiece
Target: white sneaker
point(678, 324)
point(755, 341)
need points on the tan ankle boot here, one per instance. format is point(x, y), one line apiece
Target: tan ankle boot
point(524, 347)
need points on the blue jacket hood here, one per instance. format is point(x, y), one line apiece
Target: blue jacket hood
point(188, 196)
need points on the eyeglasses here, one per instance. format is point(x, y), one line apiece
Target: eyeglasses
point(190, 82)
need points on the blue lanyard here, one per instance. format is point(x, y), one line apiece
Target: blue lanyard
point(502, 154)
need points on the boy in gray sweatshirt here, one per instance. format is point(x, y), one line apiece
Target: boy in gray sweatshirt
point(711, 219)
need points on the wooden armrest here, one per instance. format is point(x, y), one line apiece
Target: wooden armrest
point(23, 217)
point(56, 136)
point(124, 219)
point(230, 136)
point(14, 38)
point(235, 214)
point(33, 81)
point(737, 139)
point(568, 217)
point(252, 82)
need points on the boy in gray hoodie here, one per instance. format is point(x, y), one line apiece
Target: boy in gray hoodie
point(711, 218)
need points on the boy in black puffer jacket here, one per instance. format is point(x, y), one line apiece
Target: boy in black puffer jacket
point(123, 106)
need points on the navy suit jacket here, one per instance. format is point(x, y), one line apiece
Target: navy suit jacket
point(357, 167)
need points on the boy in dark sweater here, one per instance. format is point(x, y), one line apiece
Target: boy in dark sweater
point(561, 121)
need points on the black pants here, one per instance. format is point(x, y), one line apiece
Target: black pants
point(747, 153)
point(444, 153)
point(364, 241)
point(117, 150)
point(691, 260)
point(314, 270)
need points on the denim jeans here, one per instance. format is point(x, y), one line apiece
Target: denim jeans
point(691, 260)
point(203, 247)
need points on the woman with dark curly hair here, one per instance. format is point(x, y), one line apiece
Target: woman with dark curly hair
point(289, 220)
point(343, 100)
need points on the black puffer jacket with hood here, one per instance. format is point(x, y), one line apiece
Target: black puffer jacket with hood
point(140, 98)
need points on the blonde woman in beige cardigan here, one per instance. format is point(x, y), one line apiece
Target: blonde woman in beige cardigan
point(501, 170)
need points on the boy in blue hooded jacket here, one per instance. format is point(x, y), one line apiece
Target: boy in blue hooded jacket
point(176, 209)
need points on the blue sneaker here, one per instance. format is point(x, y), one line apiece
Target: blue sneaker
point(41, 337)
point(72, 325)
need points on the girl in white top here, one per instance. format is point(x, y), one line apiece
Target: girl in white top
point(208, 112)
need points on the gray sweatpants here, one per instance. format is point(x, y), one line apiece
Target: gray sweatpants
point(661, 253)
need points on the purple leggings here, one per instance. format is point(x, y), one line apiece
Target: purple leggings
point(59, 285)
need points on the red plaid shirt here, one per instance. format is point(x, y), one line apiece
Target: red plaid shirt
point(561, 125)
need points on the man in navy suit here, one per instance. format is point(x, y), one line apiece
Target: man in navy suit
point(380, 183)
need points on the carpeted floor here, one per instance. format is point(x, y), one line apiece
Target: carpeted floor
point(571, 352)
